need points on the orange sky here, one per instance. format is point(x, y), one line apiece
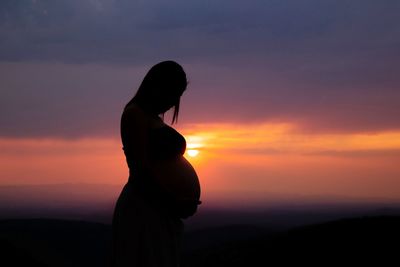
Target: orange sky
point(327, 71)
point(252, 161)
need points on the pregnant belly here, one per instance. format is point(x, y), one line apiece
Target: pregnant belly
point(178, 177)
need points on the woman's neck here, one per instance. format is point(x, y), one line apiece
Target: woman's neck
point(147, 109)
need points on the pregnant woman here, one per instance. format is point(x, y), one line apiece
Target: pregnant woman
point(162, 188)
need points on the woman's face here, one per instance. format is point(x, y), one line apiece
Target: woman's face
point(166, 101)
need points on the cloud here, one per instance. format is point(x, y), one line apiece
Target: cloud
point(134, 31)
point(67, 67)
point(72, 101)
point(45, 100)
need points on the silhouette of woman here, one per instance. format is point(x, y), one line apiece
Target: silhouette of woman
point(162, 186)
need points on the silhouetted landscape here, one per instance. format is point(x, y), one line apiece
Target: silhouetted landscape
point(46, 242)
point(74, 232)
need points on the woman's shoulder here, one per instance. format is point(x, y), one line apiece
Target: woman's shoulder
point(133, 108)
point(134, 114)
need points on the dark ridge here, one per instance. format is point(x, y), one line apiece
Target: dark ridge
point(12, 255)
point(220, 235)
point(59, 242)
point(365, 240)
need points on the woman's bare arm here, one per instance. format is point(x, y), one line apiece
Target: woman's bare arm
point(134, 131)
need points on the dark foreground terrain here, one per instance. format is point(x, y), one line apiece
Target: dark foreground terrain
point(374, 240)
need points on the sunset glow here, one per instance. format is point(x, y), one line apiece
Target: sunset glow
point(283, 97)
point(230, 157)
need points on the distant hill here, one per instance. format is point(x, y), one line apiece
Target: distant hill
point(365, 240)
point(56, 242)
point(221, 235)
point(46, 242)
point(17, 256)
point(96, 202)
point(89, 202)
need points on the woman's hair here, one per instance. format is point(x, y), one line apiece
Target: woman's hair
point(166, 75)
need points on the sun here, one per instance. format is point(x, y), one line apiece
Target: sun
point(192, 152)
point(194, 145)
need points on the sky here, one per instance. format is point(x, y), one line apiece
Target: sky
point(285, 97)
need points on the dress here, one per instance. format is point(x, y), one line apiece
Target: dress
point(145, 233)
